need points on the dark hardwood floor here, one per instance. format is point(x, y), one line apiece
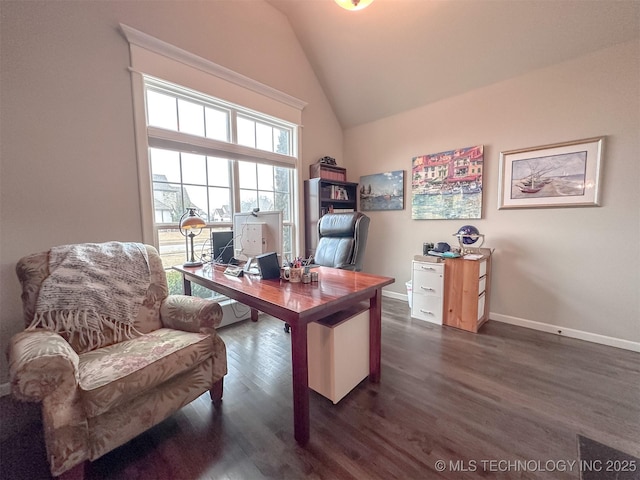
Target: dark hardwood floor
point(472, 400)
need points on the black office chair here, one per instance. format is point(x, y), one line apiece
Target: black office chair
point(342, 242)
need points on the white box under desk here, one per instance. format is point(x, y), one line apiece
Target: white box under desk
point(338, 352)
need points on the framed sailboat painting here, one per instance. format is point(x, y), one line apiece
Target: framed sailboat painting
point(559, 175)
point(382, 191)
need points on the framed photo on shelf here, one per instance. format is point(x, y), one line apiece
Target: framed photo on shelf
point(558, 175)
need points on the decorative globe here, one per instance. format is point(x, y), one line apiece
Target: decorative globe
point(468, 234)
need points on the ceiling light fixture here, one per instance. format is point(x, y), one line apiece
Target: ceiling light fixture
point(354, 4)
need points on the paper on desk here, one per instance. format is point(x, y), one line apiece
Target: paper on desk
point(473, 256)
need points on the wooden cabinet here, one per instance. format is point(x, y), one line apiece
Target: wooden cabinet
point(466, 292)
point(320, 197)
point(427, 285)
point(329, 172)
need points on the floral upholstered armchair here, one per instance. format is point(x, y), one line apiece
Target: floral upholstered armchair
point(106, 350)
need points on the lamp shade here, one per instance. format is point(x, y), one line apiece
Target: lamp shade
point(354, 4)
point(191, 220)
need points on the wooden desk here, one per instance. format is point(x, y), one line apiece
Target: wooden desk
point(298, 304)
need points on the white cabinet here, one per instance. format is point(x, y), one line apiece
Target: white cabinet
point(338, 352)
point(427, 283)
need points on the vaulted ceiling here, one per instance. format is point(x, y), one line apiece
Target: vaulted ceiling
point(396, 55)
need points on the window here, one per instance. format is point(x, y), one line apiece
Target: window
point(218, 158)
point(200, 133)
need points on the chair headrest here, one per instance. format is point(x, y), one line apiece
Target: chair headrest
point(339, 224)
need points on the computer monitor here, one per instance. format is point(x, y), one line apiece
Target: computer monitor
point(256, 233)
point(222, 246)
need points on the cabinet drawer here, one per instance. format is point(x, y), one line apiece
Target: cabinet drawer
point(427, 284)
point(483, 268)
point(481, 300)
point(427, 308)
point(482, 285)
point(434, 268)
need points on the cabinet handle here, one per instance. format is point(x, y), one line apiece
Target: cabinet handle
point(428, 312)
point(428, 289)
point(426, 268)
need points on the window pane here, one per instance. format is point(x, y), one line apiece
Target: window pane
point(197, 197)
point(191, 117)
point(165, 165)
point(264, 137)
point(173, 247)
point(217, 124)
point(247, 173)
point(281, 141)
point(246, 132)
point(248, 200)
point(283, 202)
point(194, 168)
point(282, 179)
point(161, 110)
point(265, 177)
point(167, 202)
point(265, 201)
point(218, 171)
point(220, 205)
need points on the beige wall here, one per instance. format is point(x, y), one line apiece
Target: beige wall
point(68, 162)
point(68, 156)
point(575, 268)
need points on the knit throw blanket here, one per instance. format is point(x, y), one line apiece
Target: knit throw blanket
point(90, 287)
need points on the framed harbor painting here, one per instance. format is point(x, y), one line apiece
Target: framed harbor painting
point(559, 175)
point(447, 185)
point(382, 191)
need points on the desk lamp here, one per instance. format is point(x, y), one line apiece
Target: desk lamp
point(189, 222)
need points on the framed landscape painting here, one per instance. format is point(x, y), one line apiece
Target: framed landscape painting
point(382, 191)
point(447, 185)
point(559, 175)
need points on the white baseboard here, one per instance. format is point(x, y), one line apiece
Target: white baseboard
point(5, 389)
point(567, 332)
point(397, 296)
point(549, 328)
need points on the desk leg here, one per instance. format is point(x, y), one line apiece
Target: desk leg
point(254, 315)
point(375, 334)
point(299, 366)
point(186, 286)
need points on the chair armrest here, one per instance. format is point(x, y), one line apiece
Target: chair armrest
point(40, 362)
point(191, 314)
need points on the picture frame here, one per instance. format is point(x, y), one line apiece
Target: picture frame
point(558, 175)
point(448, 185)
point(382, 191)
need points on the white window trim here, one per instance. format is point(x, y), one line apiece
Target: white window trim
point(153, 44)
point(153, 57)
point(173, 140)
